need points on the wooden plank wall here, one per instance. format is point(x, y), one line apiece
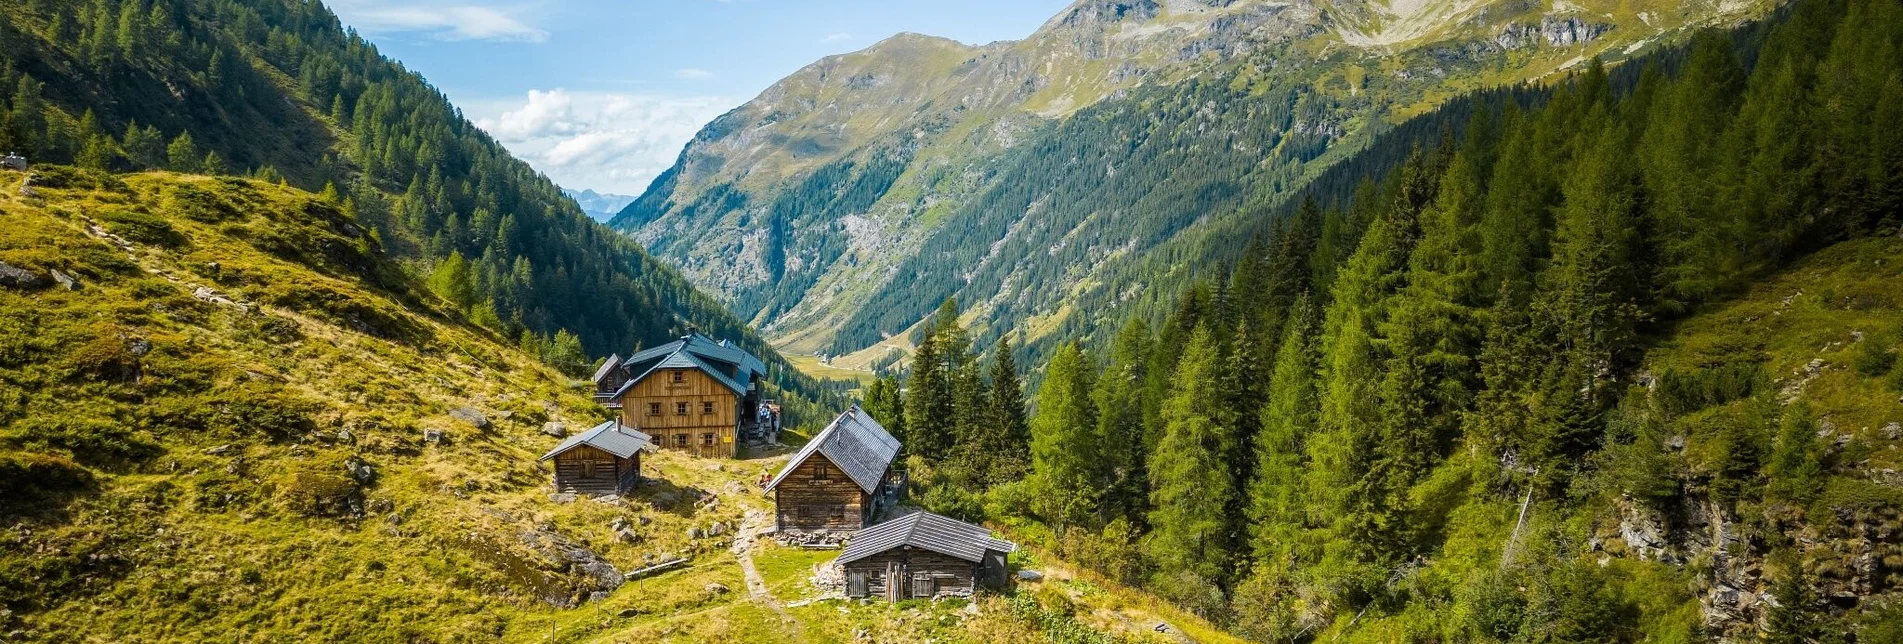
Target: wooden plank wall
point(921, 573)
point(611, 475)
point(805, 502)
point(670, 428)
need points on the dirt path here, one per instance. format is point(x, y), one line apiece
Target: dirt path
point(743, 541)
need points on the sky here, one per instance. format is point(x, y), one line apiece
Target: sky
point(602, 94)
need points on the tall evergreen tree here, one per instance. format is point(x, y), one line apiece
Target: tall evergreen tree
point(1120, 424)
point(1190, 483)
point(1066, 453)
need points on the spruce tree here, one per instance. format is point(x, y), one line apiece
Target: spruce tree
point(182, 154)
point(927, 396)
point(886, 403)
point(1288, 419)
point(1066, 454)
point(1005, 419)
point(1190, 483)
point(1120, 424)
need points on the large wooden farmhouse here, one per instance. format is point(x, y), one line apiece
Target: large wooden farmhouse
point(923, 555)
point(603, 460)
point(840, 479)
point(693, 394)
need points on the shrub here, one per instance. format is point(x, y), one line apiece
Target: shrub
point(1682, 392)
point(143, 228)
point(191, 202)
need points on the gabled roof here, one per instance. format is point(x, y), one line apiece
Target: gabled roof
point(856, 444)
point(612, 363)
point(727, 364)
point(611, 437)
point(943, 535)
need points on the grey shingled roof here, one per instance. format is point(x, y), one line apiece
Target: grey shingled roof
point(611, 437)
point(730, 366)
point(612, 363)
point(856, 444)
point(943, 535)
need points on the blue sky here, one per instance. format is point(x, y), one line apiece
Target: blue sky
point(602, 94)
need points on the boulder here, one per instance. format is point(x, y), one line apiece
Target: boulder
point(65, 281)
point(643, 520)
point(617, 524)
point(1030, 575)
point(717, 588)
point(555, 429)
point(432, 436)
point(694, 533)
point(215, 451)
point(717, 529)
point(470, 415)
point(16, 277)
point(360, 471)
point(562, 497)
point(625, 535)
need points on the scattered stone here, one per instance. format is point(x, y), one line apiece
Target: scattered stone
point(361, 471)
point(695, 533)
point(717, 529)
point(432, 436)
point(139, 346)
point(213, 268)
point(643, 520)
point(344, 436)
point(598, 596)
point(1163, 627)
point(617, 524)
point(625, 535)
point(562, 497)
point(1893, 431)
point(470, 415)
point(734, 487)
point(555, 429)
point(65, 281)
point(16, 277)
point(1030, 575)
point(221, 449)
point(717, 588)
point(505, 415)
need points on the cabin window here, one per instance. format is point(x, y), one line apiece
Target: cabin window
point(707, 439)
point(706, 408)
point(822, 472)
point(680, 409)
point(654, 409)
point(836, 513)
point(680, 440)
point(677, 375)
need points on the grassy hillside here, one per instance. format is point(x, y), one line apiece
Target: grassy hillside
point(222, 433)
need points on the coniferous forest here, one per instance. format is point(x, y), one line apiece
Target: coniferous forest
point(194, 86)
point(1414, 394)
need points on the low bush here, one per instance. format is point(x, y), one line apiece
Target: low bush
point(143, 228)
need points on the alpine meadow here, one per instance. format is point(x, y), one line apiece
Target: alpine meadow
point(1515, 321)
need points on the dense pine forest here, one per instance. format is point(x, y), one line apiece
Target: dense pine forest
point(279, 90)
point(1415, 397)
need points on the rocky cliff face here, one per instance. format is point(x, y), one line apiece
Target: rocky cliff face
point(807, 202)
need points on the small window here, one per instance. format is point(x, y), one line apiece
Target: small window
point(837, 513)
point(680, 409)
point(654, 409)
point(706, 408)
point(680, 440)
point(678, 375)
point(707, 439)
point(822, 472)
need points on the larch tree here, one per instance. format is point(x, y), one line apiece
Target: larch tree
point(1066, 454)
point(1190, 485)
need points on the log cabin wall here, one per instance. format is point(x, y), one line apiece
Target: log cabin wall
point(685, 410)
point(819, 496)
point(920, 573)
point(592, 471)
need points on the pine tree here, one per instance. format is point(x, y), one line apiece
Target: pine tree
point(182, 154)
point(452, 281)
point(1005, 419)
point(1066, 455)
point(886, 403)
point(927, 398)
point(1119, 399)
point(1190, 483)
point(28, 116)
point(144, 147)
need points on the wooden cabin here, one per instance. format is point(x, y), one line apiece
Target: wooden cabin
point(603, 460)
point(840, 479)
point(694, 394)
point(923, 555)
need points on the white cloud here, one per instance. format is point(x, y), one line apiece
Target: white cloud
point(836, 37)
point(693, 73)
point(444, 21)
point(605, 141)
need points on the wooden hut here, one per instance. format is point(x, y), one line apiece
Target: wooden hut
point(923, 555)
point(840, 479)
point(603, 460)
point(694, 394)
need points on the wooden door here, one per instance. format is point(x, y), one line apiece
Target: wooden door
point(894, 582)
point(856, 583)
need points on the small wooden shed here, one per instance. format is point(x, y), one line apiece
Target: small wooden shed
point(840, 479)
point(923, 555)
point(603, 460)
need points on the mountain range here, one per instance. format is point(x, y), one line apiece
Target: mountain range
point(1060, 183)
point(599, 206)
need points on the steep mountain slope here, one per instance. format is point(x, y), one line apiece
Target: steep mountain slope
point(839, 207)
point(279, 89)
